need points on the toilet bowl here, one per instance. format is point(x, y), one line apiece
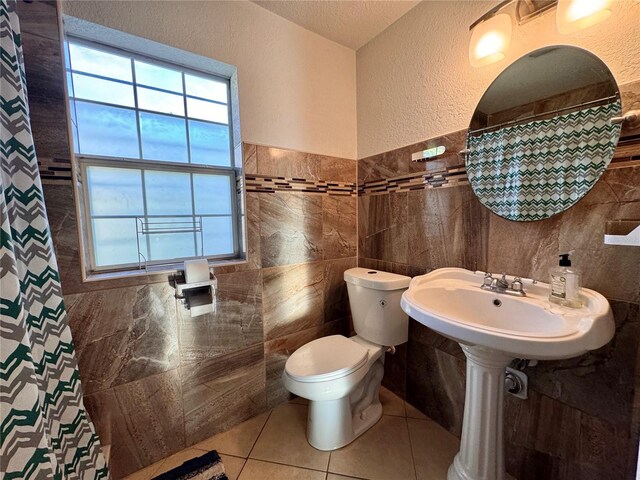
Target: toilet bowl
point(341, 376)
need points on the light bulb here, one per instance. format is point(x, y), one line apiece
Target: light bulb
point(490, 40)
point(574, 15)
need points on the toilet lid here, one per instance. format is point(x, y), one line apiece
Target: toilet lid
point(325, 359)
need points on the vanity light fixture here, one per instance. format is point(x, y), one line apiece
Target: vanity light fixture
point(491, 33)
point(490, 39)
point(574, 15)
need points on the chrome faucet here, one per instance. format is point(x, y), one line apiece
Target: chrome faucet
point(502, 286)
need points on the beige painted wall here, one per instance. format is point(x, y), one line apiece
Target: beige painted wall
point(414, 80)
point(297, 89)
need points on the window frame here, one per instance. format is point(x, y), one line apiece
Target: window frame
point(83, 161)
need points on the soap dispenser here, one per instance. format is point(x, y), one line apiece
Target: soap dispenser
point(565, 284)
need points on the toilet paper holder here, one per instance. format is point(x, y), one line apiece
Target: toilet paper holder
point(198, 297)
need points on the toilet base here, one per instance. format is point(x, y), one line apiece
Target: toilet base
point(332, 424)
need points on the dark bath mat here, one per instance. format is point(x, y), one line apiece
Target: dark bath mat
point(206, 467)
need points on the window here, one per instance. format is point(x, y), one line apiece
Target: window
point(154, 145)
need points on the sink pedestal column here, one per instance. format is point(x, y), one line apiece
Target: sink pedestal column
point(481, 455)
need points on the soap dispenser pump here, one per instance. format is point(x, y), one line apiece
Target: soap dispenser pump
point(565, 283)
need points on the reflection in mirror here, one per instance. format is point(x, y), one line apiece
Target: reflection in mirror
point(541, 136)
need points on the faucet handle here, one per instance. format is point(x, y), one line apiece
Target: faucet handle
point(516, 284)
point(488, 278)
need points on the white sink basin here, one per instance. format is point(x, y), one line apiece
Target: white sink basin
point(492, 330)
point(450, 301)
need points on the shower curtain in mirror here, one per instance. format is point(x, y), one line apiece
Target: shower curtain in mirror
point(534, 170)
point(45, 432)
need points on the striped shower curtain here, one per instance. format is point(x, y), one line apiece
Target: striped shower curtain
point(45, 432)
point(534, 170)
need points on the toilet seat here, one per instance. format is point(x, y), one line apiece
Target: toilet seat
point(326, 358)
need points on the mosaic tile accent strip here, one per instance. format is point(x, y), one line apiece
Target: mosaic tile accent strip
point(266, 184)
point(451, 177)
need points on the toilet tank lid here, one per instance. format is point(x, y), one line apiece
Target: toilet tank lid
point(376, 279)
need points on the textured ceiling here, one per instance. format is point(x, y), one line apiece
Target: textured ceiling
point(349, 23)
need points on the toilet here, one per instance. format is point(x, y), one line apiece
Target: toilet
point(341, 376)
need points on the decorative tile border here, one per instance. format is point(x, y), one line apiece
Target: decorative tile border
point(267, 184)
point(451, 177)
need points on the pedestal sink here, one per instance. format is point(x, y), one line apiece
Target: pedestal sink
point(492, 330)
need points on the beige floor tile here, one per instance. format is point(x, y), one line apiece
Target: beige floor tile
point(232, 465)
point(433, 449)
point(413, 412)
point(382, 453)
point(333, 476)
point(146, 473)
point(284, 440)
point(239, 440)
point(178, 459)
point(391, 403)
point(257, 470)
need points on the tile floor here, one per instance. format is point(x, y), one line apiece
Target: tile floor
point(403, 445)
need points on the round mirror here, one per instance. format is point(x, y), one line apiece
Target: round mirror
point(542, 134)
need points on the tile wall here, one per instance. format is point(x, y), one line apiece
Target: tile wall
point(156, 380)
point(582, 419)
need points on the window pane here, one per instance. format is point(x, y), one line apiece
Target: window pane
point(115, 191)
point(213, 112)
point(69, 85)
point(114, 241)
point(209, 143)
point(74, 125)
point(167, 245)
point(168, 193)
point(101, 63)
point(163, 138)
point(160, 101)
point(91, 88)
point(205, 88)
point(108, 131)
point(218, 235)
point(212, 194)
point(159, 77)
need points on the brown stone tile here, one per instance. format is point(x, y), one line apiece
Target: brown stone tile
point(221, 392)
point(600, 383)
point(249, 159)
point(239, 440)
point(395, 371)
point(448, 227)
point(334, 169)
point(436, 384)
point(278, 162)
point(382, 224)
point(557, 429)
point(235, 325)
point(398, 162)
point(339, 226)
point(290, 228)
point(603, 445)
point(123, 334)
point(336, 298)
point(278, 351)
point(141, 420)
point(293, 298)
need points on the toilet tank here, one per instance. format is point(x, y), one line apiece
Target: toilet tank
point(374, 297)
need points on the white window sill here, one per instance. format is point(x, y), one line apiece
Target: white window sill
point(169, 269)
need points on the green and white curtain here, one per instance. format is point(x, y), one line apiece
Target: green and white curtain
point(45, 432)
point(534, 170)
